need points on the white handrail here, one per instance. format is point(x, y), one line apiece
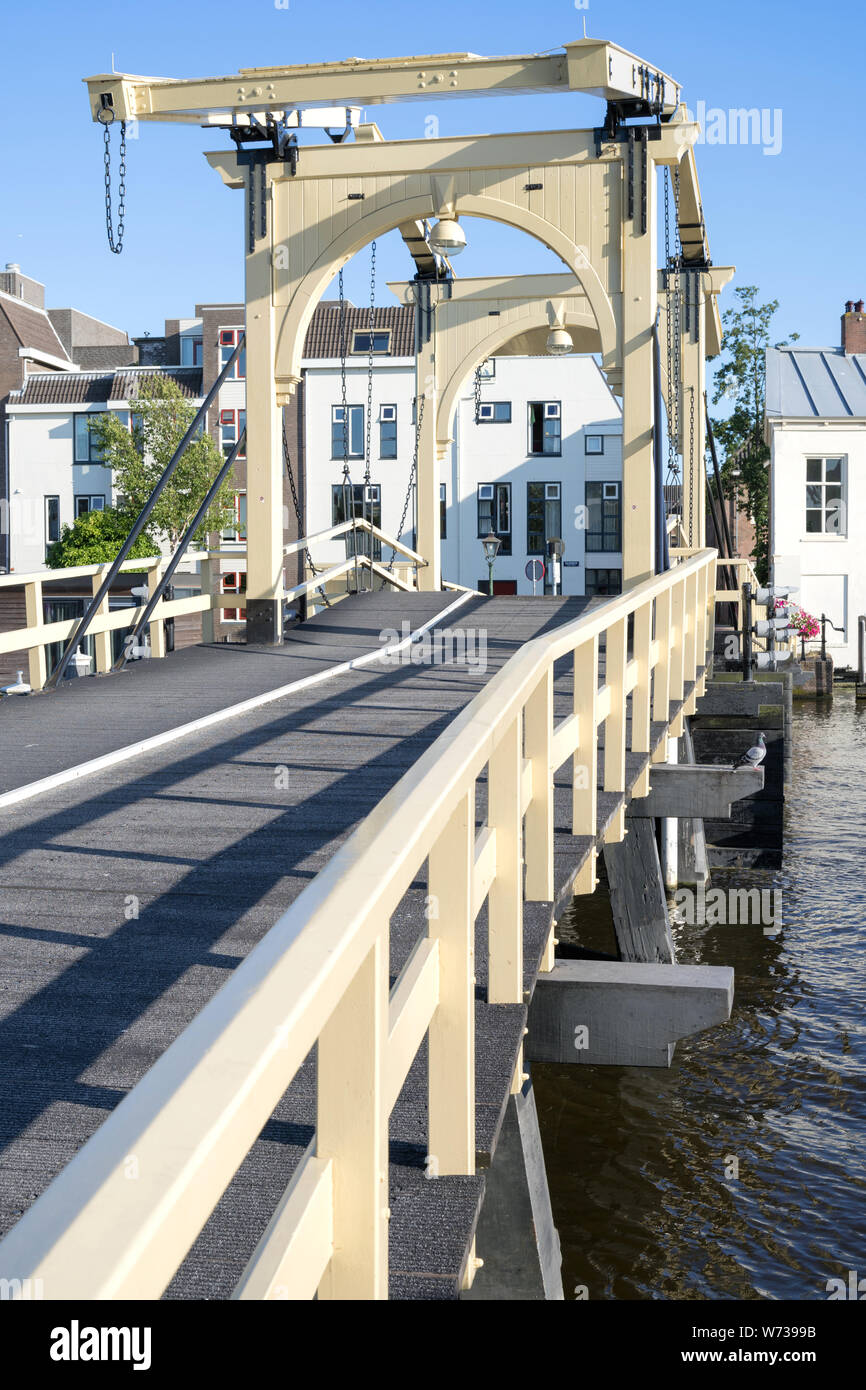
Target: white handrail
point(320, 976)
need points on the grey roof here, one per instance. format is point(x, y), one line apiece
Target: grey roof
point(821, 383)
point(80, 388)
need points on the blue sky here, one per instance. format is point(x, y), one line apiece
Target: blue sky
point(792, 222)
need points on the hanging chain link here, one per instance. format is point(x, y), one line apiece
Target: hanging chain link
point(478, 389)
point(368, 495)
point(419, 416)
point(115, 243)
point(297, 506)
point(675, 362)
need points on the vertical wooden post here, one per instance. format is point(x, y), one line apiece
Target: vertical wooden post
point(264, 429)
point(538, 717)
point(639, 301)
point(584, 793)
point(209, 568)
point(33, 612)
point(427, 487)
point(352, 1130)
point(614, 732)
point(101, 640)
point(505, 900)
point(701, 632)
point(640, 700)
point(677, 673)
point(690, 646)
point(662, 672)
point(156, 628)
point(692, 421)
point(710, 637)
point(451, 1067)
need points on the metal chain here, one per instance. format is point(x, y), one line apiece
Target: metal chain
point(297, 506)
point(676, 363)
point(368, 539)
point(348, 490)
point(419, 416)
point(115, 244)
point(478, 391)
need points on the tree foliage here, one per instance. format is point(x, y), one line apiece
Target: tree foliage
point(138, 458)
point(741, 379)
point(95, 538)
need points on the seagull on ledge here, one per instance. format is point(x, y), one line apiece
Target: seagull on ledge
point(754, 756)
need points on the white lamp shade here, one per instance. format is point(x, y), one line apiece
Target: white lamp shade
point(559, 342)
point(447, 237)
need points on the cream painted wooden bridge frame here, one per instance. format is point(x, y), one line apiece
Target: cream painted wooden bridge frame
point(320, 975)
point(589, 195)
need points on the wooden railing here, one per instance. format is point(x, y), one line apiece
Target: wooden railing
point(320, 977)
point(37, 635)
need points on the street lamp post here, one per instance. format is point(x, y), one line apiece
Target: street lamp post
point(491, 546)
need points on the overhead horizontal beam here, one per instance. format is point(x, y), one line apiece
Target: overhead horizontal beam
point(615, 1013)
point(592, 66)
point(704, 791)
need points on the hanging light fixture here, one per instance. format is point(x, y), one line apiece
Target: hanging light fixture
point(559, 342)
point(447, 238)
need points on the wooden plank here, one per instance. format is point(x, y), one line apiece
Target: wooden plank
point(637, 896)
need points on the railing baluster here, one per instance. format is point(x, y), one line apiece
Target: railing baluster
point(34, 617)
point(614, 729)
point(690, 649)
point(640, 700)
point(505, 900)
point(538, 723)
point(584, 803)
point(451, 1070)
point(352, 1130)
point(662, 672)
point(101, 640)
point(156, 628)
point(678, 601)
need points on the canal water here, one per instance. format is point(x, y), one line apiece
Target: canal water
point(740, 1173)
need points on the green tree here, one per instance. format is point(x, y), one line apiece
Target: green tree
point(95, 538)
point(741, 379)
point(137, 458)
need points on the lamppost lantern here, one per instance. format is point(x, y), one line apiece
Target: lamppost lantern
point(559, 342)
point(491, 545)
point(447, 237)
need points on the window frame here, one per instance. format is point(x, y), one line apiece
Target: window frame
point(593, 453)
point(239, 615)
point(89, 498)
point(227, 340)
point(544, 499)
point(356, 351)
point(390, 424)
point(606, 533)
point(373, 501)
point(337, 438)
point(822, 533)
point(50, 540)
point(494, 503)
point(602, 569)
point(545, 407)
point(443, 511)
point(494, 419)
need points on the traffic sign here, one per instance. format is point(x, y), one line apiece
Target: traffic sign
point(535, 570)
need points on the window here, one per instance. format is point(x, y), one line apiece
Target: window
point(232, 425)
point(237, 527)
point(825, 507)
point(594, 444)
point(228, 340)
point(191, 351)
point(233, 582)
point(443, 511)
point(371, 342)
point(604, 517)
point(494, 513)
point(354, 437)
point(387, 432)
point(358, 500)
point(545, 434)
point(52, 521)
point(603, 582)
point(88, 503)
point(543, 517)
point(87, 449)
point(494, 413)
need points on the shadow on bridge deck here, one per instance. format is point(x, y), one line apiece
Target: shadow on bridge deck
point(129, 894)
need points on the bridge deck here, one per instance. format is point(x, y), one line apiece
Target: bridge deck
point(129, 894)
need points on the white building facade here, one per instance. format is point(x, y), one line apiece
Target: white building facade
point(816, 431)
point(536, 455)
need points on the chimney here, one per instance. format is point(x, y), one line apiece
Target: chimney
point(854, 328)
